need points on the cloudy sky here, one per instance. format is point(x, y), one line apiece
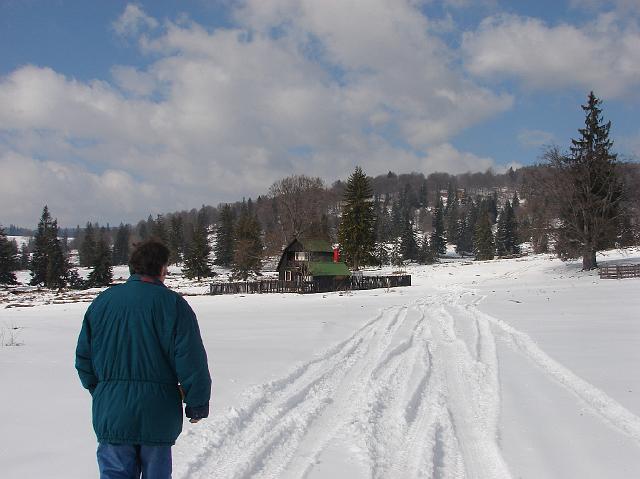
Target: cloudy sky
point(111, 110)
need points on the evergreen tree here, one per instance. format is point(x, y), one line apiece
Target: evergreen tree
point(225, 237)
point(396, 219)
point(466, 230)
point(8, 259)
point(438, 241)
point(492, 207)
point(507, 233)
point(176, 239)
point(426, 254)
point(408, 242)
point(159, 229)
point(48, 264)
point(452, 197)
point(247, 254)
point(87, 250)
point(102, 273)
point(356, 233)
point(121, 244)
point(515, 201)
point(423, 196)
point(25, 257)
point(589, 190)
point(451, 221)
point(483, 243)
point(196, 260)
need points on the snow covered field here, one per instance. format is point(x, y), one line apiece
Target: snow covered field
point(524, 368)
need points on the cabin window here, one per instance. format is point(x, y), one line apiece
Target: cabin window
point(287, 275)
point(301, 256)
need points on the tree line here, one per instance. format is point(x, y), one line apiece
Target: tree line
point(574, 204)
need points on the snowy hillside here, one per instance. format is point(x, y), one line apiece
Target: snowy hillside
point(523, 368)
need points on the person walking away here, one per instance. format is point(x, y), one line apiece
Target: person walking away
point(140, 354)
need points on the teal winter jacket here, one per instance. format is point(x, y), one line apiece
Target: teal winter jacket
point(139, 341)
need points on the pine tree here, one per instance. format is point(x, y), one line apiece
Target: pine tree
point(515, 201)
point(438, 241)
point(48, 264)
point(589, 190)
point(356, 233)
point(451, 222)
point(8, 259)
point(225, 238)
point(507, 233)
point(159, 229)
point(452, 197)
point(247, 254)
point(423, 197)
point(87, 250)
point(408, 242)
point(196, 262)
point(426, 254)
point(466, 230)
point(176, 240)
point(102, 273)
point(25, 257)
point(121, 245)
point(483, 243)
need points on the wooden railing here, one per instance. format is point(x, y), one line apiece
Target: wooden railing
point(304, 287)
point(620, 271)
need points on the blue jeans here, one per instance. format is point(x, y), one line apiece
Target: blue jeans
point(125, 461)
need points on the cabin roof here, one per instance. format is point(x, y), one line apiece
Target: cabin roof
point(323, 268)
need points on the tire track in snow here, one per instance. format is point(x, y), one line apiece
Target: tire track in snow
point(404, 387)
point(598, 401)
point(259, 438)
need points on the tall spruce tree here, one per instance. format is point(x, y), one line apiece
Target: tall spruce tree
point(196, 262)
point(87, 249)
point(356, 233)
point(466, 230)
point(121, 244)
point(248, 247)
point(102, 272)
point(225, 238)
point(426, 255)
point(438, 240)
point(507, 232)
point(25, 256)
point(8, 259)
point(483, 242)
point(588, 190)
point(176, 239)
point(408, 242)
point(49, 267)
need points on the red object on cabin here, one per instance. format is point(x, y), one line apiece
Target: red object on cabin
point(336, 255)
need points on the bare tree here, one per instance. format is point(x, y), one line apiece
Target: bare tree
point(300, 202)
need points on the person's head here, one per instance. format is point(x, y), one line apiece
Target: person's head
point(149, 258)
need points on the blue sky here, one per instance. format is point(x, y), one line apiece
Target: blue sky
point(111, 110)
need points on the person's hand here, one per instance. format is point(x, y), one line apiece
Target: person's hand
point(193, 421)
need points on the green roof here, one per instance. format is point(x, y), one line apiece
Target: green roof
point(326, 268)
point(317, 246)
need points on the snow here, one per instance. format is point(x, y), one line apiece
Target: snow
point(520, 368)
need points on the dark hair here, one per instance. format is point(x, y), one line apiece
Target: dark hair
point(148, 257)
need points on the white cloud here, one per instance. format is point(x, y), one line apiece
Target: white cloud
point(447, 158)
point(132, 21)
point(603, 56)
point(72, 193)
point(535, 138)
point(221, 114)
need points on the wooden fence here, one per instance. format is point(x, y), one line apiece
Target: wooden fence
point(305, 287)
point(620, 271)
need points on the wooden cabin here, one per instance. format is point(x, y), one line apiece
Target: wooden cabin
point(313, 261)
